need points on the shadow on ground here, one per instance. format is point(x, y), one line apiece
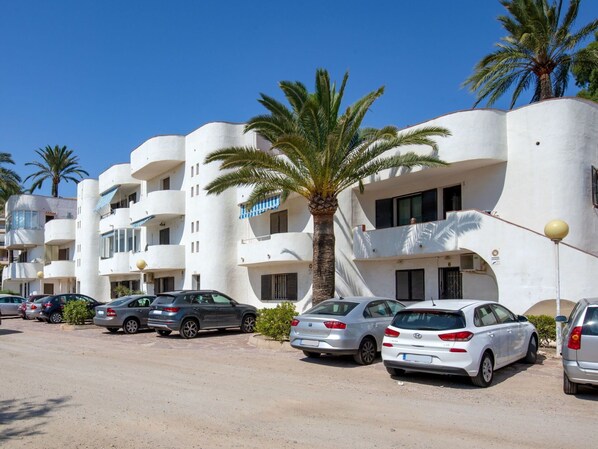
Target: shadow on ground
point(14, 413)
point(9, 331)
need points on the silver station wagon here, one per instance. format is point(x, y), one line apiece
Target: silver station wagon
point(342, 326)
point(129, 312)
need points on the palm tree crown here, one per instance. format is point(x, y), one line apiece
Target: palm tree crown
point(10, 181)
point(56, 164)
point(317, 152)
point(538, 52)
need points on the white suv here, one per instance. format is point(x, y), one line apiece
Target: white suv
point(463, 337)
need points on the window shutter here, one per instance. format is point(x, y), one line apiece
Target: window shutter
point(384, 213)
point(266, 287)
point(292, 286)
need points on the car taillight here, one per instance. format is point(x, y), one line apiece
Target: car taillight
point(294, 322)
point(335, 325)
point(110, 312)
point(456, 336)
point(457, 350)
point(48, 304)
point(575, 339)
point(171, 309)
point(391, 332)
point(33, 307)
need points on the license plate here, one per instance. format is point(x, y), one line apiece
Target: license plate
point(100, 312)
point(156, 312)
point(312, 343)
point(417, 358)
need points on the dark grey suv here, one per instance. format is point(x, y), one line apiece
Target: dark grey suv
point(189, 311)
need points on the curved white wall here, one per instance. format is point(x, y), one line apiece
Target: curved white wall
point(157, 155)
point(119, 174)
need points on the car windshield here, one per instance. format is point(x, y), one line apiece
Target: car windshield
point(163, 299)
point(429, 320)
point(336, 308)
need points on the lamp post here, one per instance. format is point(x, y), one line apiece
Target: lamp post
point(557, 230)
point(141, 264)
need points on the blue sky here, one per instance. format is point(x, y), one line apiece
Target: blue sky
point(104, 76)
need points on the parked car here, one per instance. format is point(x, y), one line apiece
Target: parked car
point(9, 304)
point(463, 337)
point(25, 304)
point(128, 312)
point(580, 346)
point(54, 305)
point(189, 311)
point(344, 326)
point(33, 309)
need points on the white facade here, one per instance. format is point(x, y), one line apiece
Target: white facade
point(478, 230)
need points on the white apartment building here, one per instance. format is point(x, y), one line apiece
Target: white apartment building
point(478, 230)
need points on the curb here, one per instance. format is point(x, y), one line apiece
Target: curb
point(76, 327)
point(259, 341)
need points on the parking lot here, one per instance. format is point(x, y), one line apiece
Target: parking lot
point(92, 389)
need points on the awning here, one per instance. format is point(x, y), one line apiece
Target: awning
point(141, 222)
point(260, 207)
point(106, 197)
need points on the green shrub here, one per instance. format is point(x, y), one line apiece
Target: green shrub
point(546, 327)
point(76, 312)
point(276, 323)
point(122, 290)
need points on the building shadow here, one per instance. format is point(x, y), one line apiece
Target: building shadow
point(9, 331)
point(23, 411)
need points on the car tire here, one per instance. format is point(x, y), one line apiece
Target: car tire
point(163, 333)
point(55, 318)
point(113, 330)
point(366, 354)
point(395, 371)
point(312, 355)
point(248, 324)
point(532, 351)
point(131, 326)
point(486, 372)
point(568, 386)
point(39, 319)
point(189, 328)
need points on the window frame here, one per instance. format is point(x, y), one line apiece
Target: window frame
point(410, 273)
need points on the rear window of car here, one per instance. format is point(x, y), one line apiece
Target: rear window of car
point(429, 320)
point(164, 299)
point(590, 322)
point(336, 308)
point(119, 301)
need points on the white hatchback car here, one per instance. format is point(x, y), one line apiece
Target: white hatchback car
point(462, 337)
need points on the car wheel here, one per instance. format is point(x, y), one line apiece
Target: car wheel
point(311, 355)
point(485, 373)
point(164, 333)
point(248, 324)
point(189, 328)
point(113, 330)
point(568, 386)
point(395, 371)
point(39, 319)
point(55, 318)
point(131, 326)
point(532, 351)
point(366, 353)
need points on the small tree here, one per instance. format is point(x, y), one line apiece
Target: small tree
point(76, 312)
point(546, 327)
point(122, 290)
point(276, 323)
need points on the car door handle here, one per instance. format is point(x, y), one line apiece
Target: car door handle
point(490, 334)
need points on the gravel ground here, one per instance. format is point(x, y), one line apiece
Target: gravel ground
point(91, 389)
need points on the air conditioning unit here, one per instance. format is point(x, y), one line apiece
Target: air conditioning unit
point(471, 262)
point(148, 278)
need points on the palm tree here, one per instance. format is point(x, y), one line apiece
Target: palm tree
point(57, 164)
point(538, 52)
point(317, 153)
point(10, 181)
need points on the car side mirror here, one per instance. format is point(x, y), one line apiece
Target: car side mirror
point(560, 319)
point(522, 319)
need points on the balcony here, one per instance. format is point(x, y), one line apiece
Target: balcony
point(22, 271)
point(288, 247)
point(119, 263)
point(24, 238)
point(60, 269)
point(118, 219)
point(157, 155)
point(161, 258)
point(117, 175)
point(160, 205)
point(59, 231)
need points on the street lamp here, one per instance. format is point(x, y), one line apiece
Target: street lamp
point(40, 276)
point(141, 264)
point(557, 230)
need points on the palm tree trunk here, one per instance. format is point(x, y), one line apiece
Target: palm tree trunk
point(545, 87)
point(55, 189)
point(324, 260)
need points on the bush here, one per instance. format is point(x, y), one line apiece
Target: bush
point(76, 312)
point(546, 327)
point(122, 290)
point(276, 323)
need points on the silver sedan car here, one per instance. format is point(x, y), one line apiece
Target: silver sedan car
point(341, 326)
point(34, 308)
point(128, 312)
point(9, 304)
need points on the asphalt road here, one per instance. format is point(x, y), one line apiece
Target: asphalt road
point(91, 389)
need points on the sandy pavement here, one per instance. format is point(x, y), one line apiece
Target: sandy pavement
point(92, 389)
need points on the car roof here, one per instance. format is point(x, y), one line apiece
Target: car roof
point(591, 301)
point(448, 304)
point(358, 299)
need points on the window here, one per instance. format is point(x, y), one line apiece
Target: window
point(165, 184)
point(191, 191)
point(590, 322)
point(133, 198)
point(279, 287)
point(503, 315)
point(63, 254)
point(192, 167)
point(410, 285)
point(22, 257)
point(50, 217)
point(163, 285)
point(120, 241)
point(23, 219)
point(279, 222)
point(165, 236)
point(192, 227)
point(484, 317)
point(221, 300)
point(377, 309)
point(131, 285)
point(399, 211)
point(595, 186)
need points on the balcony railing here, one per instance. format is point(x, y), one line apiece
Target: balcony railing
point(285, 247)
